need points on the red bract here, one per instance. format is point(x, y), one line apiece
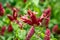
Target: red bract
point(16, 39)
point(10, 29)
point(10, 17)
point(40, 19)
point(20, 25)
point(33, 17)
point(47, 34)
point(47, 22)
point(55, 29)
point(47, 37)
point(15, 13)
point(30, 33)
point(27, 21)
point(14, 16)
point(3, 30)
point(24, 1)
point(33, 20)
point(44, 19)
point(29, 12)
point(47, 12)
point(1, 10)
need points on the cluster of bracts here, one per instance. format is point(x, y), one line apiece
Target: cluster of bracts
point(31, 19)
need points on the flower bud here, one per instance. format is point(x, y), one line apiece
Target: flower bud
point(27, 21)
point(47, 12)
point(3, 30)
point(10, 17)
point(24, 1)
point(30, 33)
point(10, 29)
point(55, 29)
point(47, 34)
point(15, 13)
point(1, 10)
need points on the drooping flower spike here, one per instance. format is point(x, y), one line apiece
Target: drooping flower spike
point(33, 19)
point(3, 30)
point(56, 29)
point(47, 34)
point(14, 16)
point(10, 28)
point(15, 13)
point(45, 17)
point(30, 33)
point(47, 12)
point(1, 10)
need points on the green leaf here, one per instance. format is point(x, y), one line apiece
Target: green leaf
point(10, 38)
point(53, 39)
point(35, 37)
point(15, 26)
point(35, 2)
point(37, 9)
point(42, 35)
point(2, 37)
point(21, 34)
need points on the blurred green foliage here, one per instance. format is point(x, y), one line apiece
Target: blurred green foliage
point(35, 5)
